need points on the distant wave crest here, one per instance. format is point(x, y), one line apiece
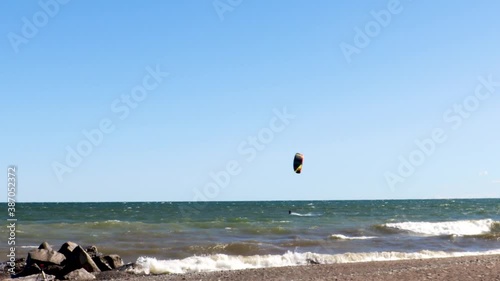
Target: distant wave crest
point(456, 228)
point(305, 215)
point(345, 237)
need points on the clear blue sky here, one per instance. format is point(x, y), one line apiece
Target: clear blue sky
point(229, 70)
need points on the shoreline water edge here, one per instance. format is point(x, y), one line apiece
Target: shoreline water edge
point(484, 267)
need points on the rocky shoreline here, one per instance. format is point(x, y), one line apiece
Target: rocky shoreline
point(70, 262)
point(73, 262)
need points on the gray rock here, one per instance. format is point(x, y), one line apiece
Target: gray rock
point(79, 274)
point(93, 252)
point(108, 262)
point(67, 248)
point(135, 268)
point(28, 270)
point(130, 267)
point(48, 257)
point(115, 261)
point(311, 261)
point(45, 246)
point(18, 264)
point(102, 263)
point(43, 259)
point(80, 259)
point(53, 269)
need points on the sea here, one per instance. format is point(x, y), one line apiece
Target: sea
point(182, 237)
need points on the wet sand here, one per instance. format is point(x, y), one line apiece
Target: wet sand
point(475, 268)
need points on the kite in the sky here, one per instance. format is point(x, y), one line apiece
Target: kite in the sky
point(297, 162)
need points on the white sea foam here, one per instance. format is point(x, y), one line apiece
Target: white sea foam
point(344, 237)
point(113, 221)
point(29, 247)
point(107, 222)
point(458, 228)
point(305, 215)
point(146, 265)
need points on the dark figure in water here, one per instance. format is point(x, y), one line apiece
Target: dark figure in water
point(289, 212)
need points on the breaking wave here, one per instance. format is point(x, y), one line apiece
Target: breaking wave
point(147, 265)
point(456, 228)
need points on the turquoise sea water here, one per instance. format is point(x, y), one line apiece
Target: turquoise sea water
point(184, 237)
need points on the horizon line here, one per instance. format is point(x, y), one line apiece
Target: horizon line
point(243, 201)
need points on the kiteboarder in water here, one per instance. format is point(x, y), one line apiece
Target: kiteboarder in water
point(297, 167)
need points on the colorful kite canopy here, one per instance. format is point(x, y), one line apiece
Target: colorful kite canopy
point(297, 162)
